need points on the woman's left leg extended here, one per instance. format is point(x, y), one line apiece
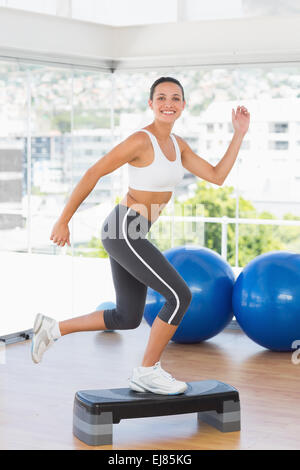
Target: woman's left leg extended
point(128, 314)
point(130, 300)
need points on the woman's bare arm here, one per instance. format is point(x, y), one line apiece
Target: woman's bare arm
point(122, 153)
point(217, 174)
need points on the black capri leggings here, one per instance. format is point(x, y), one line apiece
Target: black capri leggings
point(136, 264)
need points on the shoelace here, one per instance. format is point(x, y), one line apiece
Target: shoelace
point(163, 372)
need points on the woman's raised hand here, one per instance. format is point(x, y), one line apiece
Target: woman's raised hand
point(60, 234)
point(241, 120)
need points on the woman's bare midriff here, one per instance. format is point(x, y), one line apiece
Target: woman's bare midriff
point(147, 203)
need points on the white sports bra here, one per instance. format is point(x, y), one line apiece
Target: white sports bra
point(162, 174)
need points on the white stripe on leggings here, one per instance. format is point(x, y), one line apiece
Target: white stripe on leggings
point(151, 269)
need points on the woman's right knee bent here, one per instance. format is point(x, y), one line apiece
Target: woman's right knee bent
point(176, 305)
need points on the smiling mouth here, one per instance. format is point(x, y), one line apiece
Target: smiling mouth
point(168, 113)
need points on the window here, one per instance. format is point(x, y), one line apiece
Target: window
point(58, 159)
point(125, 13)
point(195, 10)
point(130, 12)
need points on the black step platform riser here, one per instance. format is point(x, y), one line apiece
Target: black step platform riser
point(95, 411)
point(154, 409)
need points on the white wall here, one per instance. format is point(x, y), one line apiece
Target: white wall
point(248, 40)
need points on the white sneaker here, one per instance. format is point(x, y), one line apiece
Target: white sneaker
point(45, 332)
point(154, 379)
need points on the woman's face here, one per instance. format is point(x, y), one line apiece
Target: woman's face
point(167, 103)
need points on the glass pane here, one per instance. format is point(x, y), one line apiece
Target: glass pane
point(13, 194)
point(212, 10)
point(43, 283)
point(218, 9)
point(269, 170)
point(51, 151)
point(67, 141)
point(120, 13)
point(13, 157)
point(46, 6)
point(255, 240)
point(271, 7)
point(139, 12)
point(92, 139)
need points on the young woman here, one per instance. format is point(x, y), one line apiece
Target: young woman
point(156, 161)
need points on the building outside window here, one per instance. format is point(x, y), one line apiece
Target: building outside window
point(279, 127)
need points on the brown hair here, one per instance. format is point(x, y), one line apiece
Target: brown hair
point(162, 80)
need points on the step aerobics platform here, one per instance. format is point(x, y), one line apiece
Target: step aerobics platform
point(95, 411)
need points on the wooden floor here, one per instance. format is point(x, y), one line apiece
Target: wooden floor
point(37, 400)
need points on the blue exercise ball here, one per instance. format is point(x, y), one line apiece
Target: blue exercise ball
point(266, 300)
point(106, 306)
point(211, 281)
